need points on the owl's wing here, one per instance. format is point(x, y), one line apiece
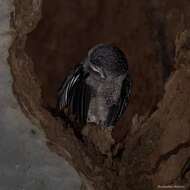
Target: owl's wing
point(74, 94)
point(117, 110)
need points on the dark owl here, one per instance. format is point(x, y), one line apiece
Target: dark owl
point(98, 89)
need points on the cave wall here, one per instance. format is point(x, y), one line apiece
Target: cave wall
point(151, 141)
point(25, 160)
point(68, 29)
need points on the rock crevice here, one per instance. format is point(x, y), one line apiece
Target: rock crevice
point(53, 36)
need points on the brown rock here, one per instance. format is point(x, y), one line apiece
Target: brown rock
point(155, 37)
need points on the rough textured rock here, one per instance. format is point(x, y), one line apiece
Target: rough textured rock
point(152, 137)
point(25, 160)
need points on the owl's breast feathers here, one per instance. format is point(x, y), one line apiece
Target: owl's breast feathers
point(118, 109)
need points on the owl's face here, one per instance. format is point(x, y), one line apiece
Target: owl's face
point(107, 60)
point(98, 70)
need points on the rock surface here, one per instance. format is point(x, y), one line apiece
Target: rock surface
point(151, 141)
point(25, 161)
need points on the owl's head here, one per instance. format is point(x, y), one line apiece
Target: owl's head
point(107, 60)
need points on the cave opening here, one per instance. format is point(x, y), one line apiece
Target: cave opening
point(153, 36)
point(68, 29)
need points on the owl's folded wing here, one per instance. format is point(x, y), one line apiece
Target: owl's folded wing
point(74, 94)
point(117, 110)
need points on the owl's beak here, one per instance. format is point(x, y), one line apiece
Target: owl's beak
point(98, 70)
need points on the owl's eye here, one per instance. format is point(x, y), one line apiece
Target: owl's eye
point(97, 70)
point(94, 68)
point(98, 60)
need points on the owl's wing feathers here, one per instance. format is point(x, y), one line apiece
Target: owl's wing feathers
point(117, 110)
point(74, 94)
